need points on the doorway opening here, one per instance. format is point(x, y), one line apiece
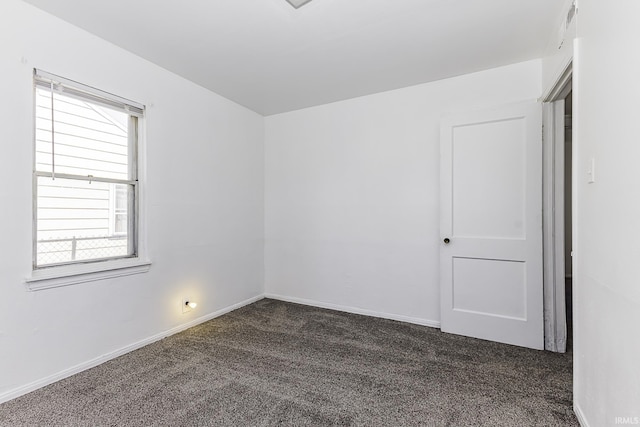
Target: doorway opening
point(568, 223)
point(557, 214)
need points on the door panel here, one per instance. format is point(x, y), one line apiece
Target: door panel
point(476, 168)
point(474, 278)
point(491, 212)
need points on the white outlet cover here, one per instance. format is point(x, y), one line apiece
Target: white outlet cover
point(185, 307)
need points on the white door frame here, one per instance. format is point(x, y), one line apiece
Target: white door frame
point(555, 324)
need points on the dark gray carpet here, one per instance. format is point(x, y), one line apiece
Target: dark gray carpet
point(276, 363)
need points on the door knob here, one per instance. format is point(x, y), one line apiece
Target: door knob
point(446, 240)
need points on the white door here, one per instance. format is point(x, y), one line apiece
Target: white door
point(491, 225)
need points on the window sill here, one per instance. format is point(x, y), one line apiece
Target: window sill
point(55, 277)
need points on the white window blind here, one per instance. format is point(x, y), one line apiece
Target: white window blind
point(85, 147)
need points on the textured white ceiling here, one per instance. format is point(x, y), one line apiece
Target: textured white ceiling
point(273, 58)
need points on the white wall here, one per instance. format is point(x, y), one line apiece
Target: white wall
point(607, 244)
point(204, 200)
point(560, 50)
point(352, 193)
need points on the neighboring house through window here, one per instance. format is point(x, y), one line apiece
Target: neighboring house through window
point(119, 209)
point(85, 174)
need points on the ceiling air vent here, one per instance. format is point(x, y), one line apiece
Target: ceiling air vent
point(564, 26)
point(298, 3)
point(571, 14)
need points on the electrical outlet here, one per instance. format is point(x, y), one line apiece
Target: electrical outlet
point(185, 305)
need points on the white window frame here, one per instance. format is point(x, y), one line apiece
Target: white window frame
point(63, 274)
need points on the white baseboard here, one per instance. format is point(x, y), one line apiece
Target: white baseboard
point(12, 394)
point(355, 310)
point(580, 415)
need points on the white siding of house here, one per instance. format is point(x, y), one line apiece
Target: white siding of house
point(76, 219)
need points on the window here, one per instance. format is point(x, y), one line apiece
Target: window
point(85, 174)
